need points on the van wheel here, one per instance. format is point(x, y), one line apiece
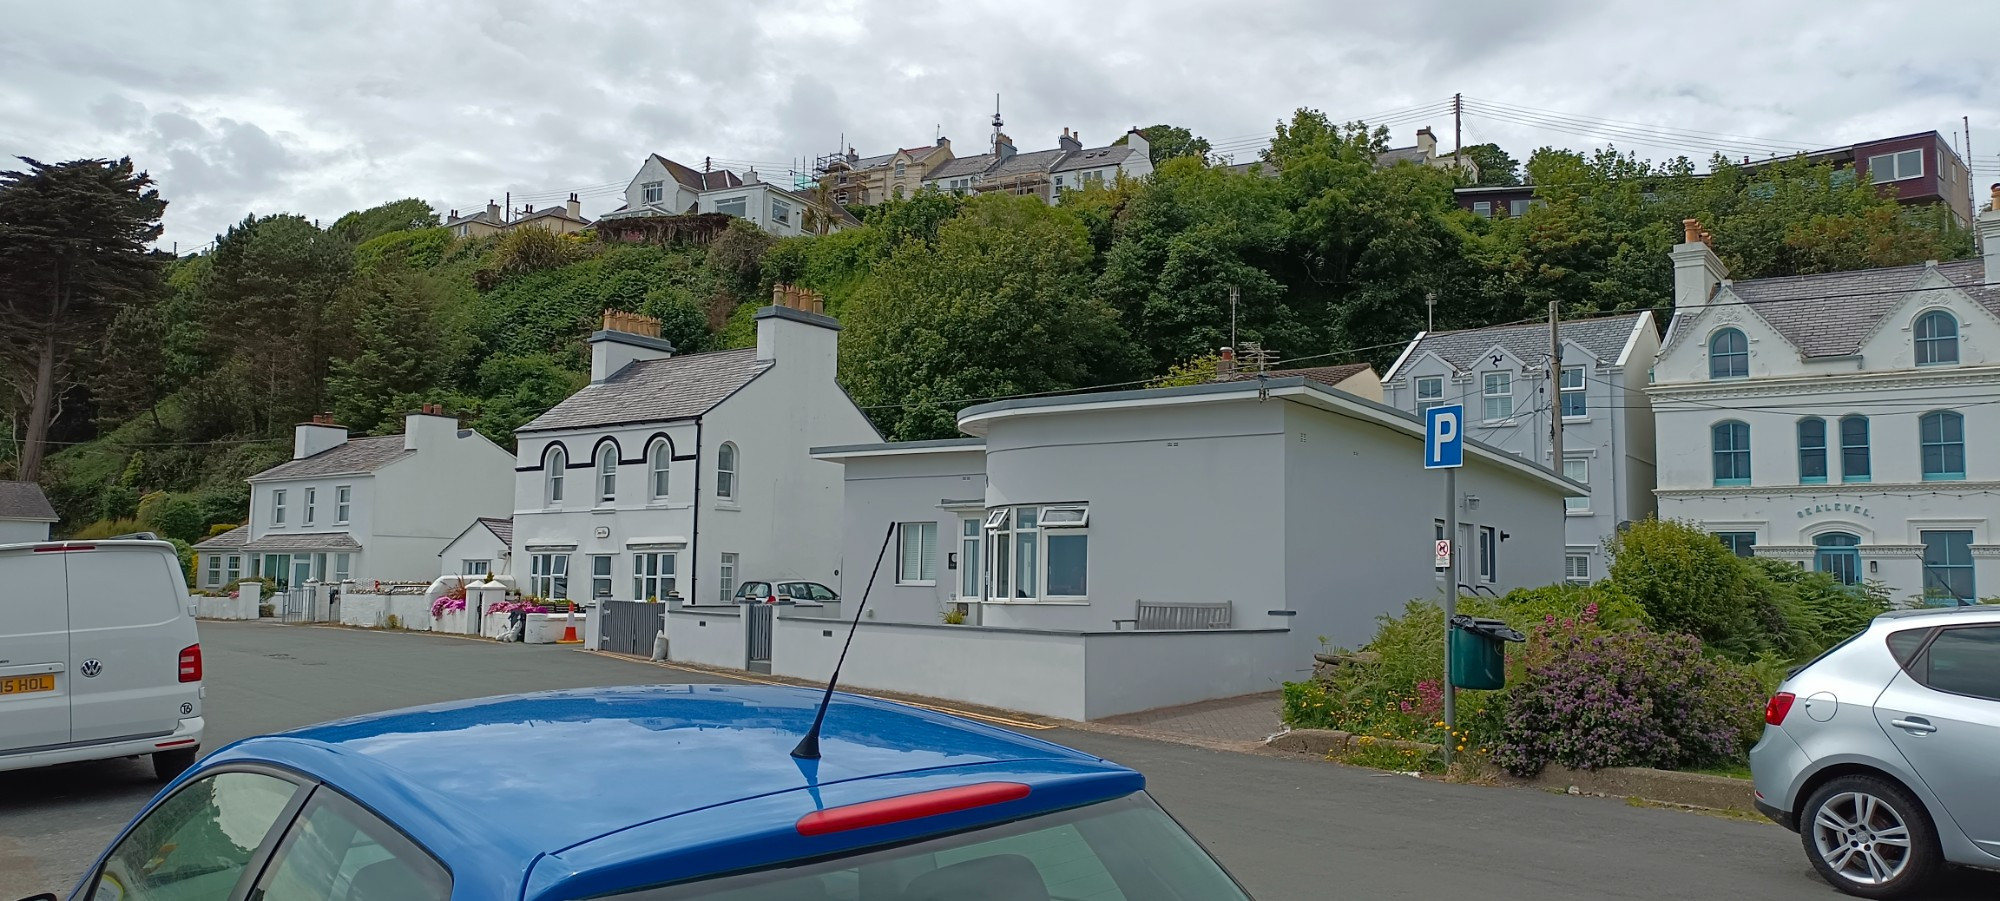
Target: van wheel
point(1869, 837)
point(168, 764)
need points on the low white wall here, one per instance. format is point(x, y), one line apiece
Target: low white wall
point(1127, 672)
point(711, 636)
point(372, 611)
point(226, 608)
point(1029, 671)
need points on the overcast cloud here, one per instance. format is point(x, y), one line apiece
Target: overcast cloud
point(242, 106)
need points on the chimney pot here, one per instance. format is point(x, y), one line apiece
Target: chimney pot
point(1690, 230)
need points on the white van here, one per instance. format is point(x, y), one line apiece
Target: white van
point(98, 655)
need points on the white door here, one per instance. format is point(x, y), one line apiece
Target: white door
point(129, 625)
point(35, 675)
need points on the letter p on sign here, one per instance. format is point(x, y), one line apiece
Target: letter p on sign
point(1444, 441)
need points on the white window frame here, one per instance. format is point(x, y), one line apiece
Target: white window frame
point(1577, 504)
point(343, 567)
point(916, 553)
point(1576, 569)
point(969, 540)
point(653, 192)
point(212, 571)
point(781, 212)
point(601, 568)
point(607, 474)
point(659, 470)
point(1895, 166)
point(232, 568)
point(655, 574)
point(545, 571)
point(1565, 389)
point(727, 462)
point(277, 508)
point(471, 567)
point(1487, 396)
point(742, 203)
point(725, 578)
point(312, 502)
point(343, 504)
point(1489, 554)
point(554, 462)
point(1003, 525)
point(1427, 401)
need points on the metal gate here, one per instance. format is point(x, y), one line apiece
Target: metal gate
point(759, 619)
point(296, 605)
point(629, 627)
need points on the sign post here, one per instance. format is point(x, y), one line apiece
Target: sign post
point(1444, 448)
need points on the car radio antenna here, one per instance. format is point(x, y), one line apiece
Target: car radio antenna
point(808, 748)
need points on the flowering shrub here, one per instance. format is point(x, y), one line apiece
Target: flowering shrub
point(1585, 697)
point(512, 606)
point(446, 603)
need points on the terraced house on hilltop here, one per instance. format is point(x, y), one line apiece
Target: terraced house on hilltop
point(1844, 421)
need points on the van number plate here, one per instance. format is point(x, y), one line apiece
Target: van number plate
point(17, 685)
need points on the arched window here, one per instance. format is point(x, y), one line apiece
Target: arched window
point(1942, 436)
point(656, 464)
point(1812, 451)
point(1854, 449)
point(552, 476)
point(1731, 444)
point(1728, 355)
point(725, 472)
point(1936, 338)
point(1839, 557)
point(607, 472)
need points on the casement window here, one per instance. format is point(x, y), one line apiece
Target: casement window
point(725, 579)
point(1518, 207)
point(1854, 463)
point(312, 504)
point(1577, 470)
point(607, 473)
point(968, 558)
point(212, 572)
point(1942, 437)
point(1812, 451)
point(1483, 209)
point(1038, 552)
point(901, 168)
point(781, 212)
point(1576, 569)
point(653, 574)
point(1730, 445)
point(734, 206)
point(1896, 166)
point(1497, 391)
point(725, 472)
point(1948, 565)
point(1936, 337)
point(1574, 401)
point(1489, 554)
point(1739, 543)
point(553, 467)
point(548, 576)
point(343, 504)
point(653, 192)
point(277, 506)
point(472, 567)
point(658, 461)
point(1728, 355)
point(343, 567)
point(600, 575)
point(916, 553)
point(232, 568)
point(1430, 393)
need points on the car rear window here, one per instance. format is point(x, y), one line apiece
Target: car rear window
point(1965, 662)
point(1905, 645)
point(1122, 850)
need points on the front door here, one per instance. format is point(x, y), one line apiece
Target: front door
point(128, 626)
point(1944, 715)
point(35, 675)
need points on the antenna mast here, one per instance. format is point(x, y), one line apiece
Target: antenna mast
point(808, 747)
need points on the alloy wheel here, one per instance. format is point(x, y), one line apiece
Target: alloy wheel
point(1862, 838)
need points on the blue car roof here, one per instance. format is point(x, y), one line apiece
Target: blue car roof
point(614, 787)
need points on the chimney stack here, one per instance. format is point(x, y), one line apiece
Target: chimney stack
point(318, 436)
point(1697, 270)
point(626, 338)
point(575, 207)
point(493, 212)
point(1226, 366)
point(1426, 143)
point(429, 426)
point(1069, 141)
point(1987, 225)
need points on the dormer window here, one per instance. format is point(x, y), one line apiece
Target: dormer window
point(1936, 339)
point(653, 192)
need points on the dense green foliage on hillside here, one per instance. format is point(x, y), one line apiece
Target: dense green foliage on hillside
point(196, 382)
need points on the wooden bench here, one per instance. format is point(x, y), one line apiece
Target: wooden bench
point(1156, 616)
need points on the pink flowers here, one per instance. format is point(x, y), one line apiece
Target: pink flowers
point(447, 603)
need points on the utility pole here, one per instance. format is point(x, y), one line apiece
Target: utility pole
point(1458, 129)
point(1233, 293)
point(1430, 311)
point(1967, 120)
point(1555, 389)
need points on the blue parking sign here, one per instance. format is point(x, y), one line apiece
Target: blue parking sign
point(1444, 437)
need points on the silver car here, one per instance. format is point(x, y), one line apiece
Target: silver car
point(1884, 753)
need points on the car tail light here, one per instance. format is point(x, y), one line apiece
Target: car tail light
point(1779, 705)
point(909, 807)
point(191, 663)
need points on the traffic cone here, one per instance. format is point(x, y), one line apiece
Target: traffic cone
point(569, 627)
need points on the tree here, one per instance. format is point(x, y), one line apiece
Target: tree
point(1001, 305)
point(1166, 142)
point(73, 251)
point(399, 215)
point(1496, 168)
point(407, 342)
point(268, 311)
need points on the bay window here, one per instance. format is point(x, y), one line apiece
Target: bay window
point(1036, 553)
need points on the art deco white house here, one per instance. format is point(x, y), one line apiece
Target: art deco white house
point(1845, 421)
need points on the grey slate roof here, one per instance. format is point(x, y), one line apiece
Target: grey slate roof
point(1829, 315)
point(311, 541)
point(655, 391)
point(357, 455)
point(227, 541)
point(1026, 163)
point(1394, 155)
point(502, 529)
point(1464, 349)
point(961, 167)
point(1095, 157)
point(25, 500)
point(1257, 167)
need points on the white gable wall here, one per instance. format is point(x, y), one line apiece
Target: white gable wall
point(424, 501)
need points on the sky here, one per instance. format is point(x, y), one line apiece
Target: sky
point(244, 106)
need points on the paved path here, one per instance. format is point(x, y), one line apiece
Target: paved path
point(1245, 720)
point(1289, 828)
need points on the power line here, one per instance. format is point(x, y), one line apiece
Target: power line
point(1683, 145)
point(1747, 140)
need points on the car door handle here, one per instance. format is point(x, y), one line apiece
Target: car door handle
point(1915, 724)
